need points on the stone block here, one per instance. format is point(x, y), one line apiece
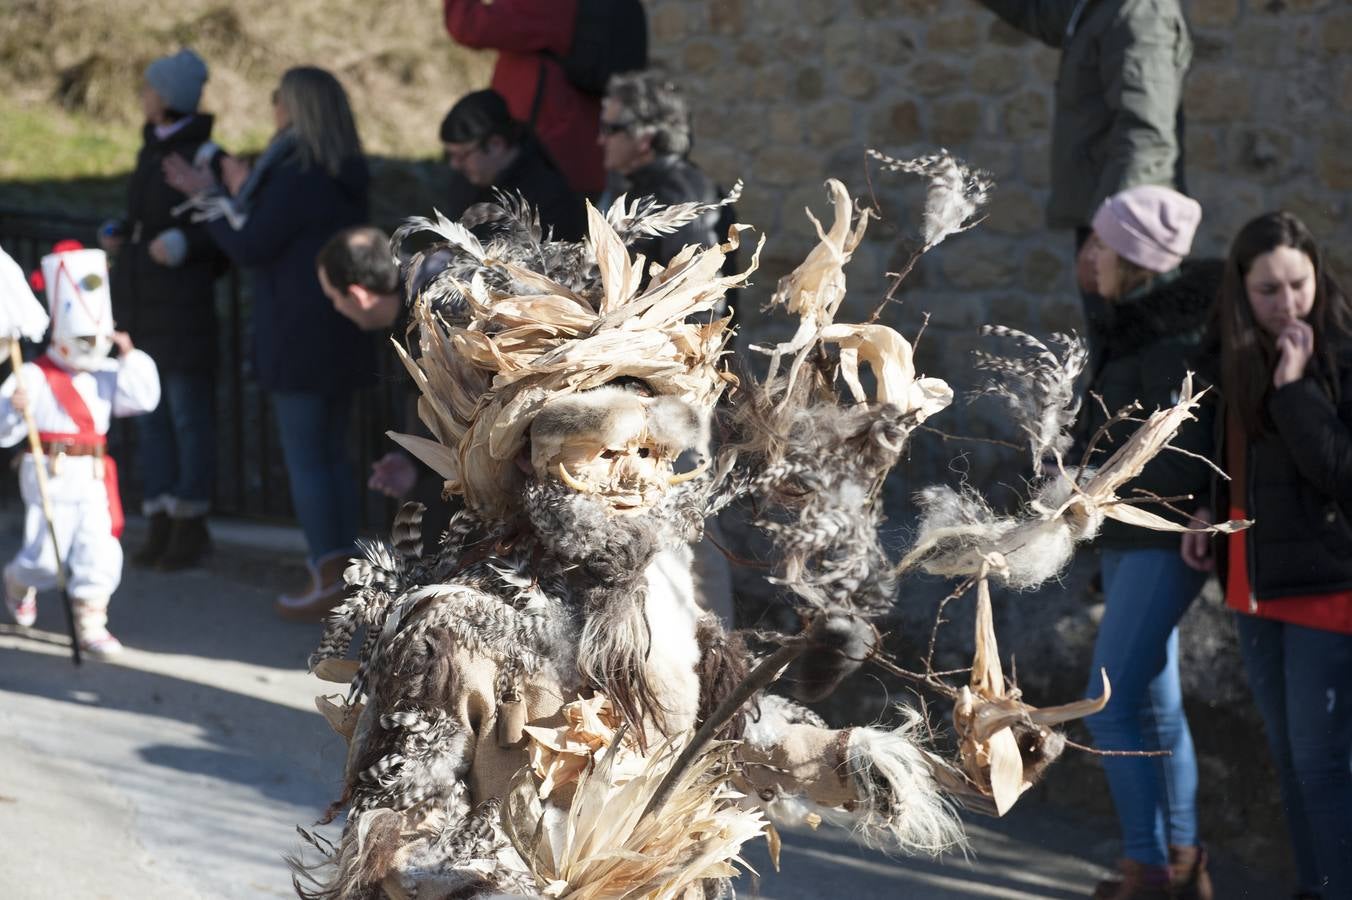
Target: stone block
point(1207, 13)
point(702, 57)
point(787, 165)
point(999, 157)
point(1344, 93)
point(954, 122)
point(1014, 211)
point(831, 123)
point(1262, 43)
point(808, 85)
point(997, 72)
point(932, 77)
point(1044, 270)
point(750, 53)
point(667, 23)
point(957, 34)
point(896, 125)
point(1264, 153)
point(975, 261)
point(1321, 210)
point(1336, 31)
point(857, 82)
point(727, 17)
point(1216, 94)
point(1027, 114)
point(1035, 156)
point(1006, 35)
point(1204, 148)
point(1334, 160)
point(784, 125)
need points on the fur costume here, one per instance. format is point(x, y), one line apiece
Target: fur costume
point(520, 711)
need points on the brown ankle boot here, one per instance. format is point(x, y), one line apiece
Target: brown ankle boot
point(326, 590)
point(1138, 882)
point(1188, 874)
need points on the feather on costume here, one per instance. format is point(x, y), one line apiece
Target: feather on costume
point(532, 711)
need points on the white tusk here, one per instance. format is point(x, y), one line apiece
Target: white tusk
point(686, 476)
point(574, 483)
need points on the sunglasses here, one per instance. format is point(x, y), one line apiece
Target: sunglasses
point(610, 128)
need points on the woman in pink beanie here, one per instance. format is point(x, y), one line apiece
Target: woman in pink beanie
point(1159, 305)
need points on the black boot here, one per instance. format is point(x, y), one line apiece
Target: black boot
point(189, 543)
point(157, 541)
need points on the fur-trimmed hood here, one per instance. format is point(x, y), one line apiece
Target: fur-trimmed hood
point(1180, 305)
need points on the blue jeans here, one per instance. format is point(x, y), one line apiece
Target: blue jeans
point(177, 446)
point(313, 431)
point(1145, 593)
point(1302, 682)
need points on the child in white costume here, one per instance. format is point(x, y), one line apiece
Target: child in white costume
point(73, 391)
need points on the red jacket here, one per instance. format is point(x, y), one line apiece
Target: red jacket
point(524, 32)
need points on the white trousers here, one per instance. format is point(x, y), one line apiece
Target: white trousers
point(92, 556)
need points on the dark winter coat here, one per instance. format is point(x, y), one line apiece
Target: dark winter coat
point(535, 177)
point(301, 343)
point(1119, 88)
point(1299, 489)
point(1152, 342)
point(169, 311)
point(672, 180)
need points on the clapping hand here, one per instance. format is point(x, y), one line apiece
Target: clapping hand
point(1197, 544)
point(183, 176)
point(393, 475)
point(1295, 346)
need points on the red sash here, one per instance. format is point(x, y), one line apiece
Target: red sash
point(63, 389)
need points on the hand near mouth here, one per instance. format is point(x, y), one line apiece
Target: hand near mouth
point(1295, 344)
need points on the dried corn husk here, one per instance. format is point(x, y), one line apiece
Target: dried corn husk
point(483, 382)
point(607, 847)
point(986, 709)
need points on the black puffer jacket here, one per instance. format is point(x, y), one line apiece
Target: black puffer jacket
point(169, 311)
point(672, 180)
point(535, 177)
point(1151, 343)
point(1298, 488)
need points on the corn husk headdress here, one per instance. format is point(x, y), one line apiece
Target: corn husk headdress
point(532, 320)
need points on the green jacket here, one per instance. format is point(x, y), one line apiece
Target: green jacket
point(1118, 119)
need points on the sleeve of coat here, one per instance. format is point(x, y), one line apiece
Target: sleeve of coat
point(279, 213)
point(1045, 20)
point(138, 385)
point(521, 26)
point(1139, 69)
point(1316, 437)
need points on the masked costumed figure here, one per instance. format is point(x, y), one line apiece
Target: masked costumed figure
point(539, 706)
point(72, 391)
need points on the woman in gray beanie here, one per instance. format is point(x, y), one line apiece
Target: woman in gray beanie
point(163, 294)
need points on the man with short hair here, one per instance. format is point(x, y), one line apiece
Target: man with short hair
point(645, 141)
point(490, 149)
point(358, 273)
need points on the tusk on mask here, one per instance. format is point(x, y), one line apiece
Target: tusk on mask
point(573, 482)
point(686, 476)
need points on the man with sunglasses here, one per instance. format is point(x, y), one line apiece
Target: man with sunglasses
point(645, 141)
point(491, 150)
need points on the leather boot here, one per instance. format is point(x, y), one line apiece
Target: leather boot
point(157, 540)
point(189, 543)
point(1188, 874)
point(327, 590)
point(1138, 882)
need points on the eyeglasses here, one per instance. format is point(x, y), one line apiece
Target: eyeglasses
point(610, 128)
point(458, 156)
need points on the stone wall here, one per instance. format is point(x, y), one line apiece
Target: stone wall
point(788, 92)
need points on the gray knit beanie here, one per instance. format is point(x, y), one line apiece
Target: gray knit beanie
point(178, 79)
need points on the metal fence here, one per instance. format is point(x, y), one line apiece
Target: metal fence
point(251, 476)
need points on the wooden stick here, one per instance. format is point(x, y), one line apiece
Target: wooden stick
point(40, 469)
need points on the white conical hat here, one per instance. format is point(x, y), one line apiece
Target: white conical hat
point(80, 305)
point(21, 315)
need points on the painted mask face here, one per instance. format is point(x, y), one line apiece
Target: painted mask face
point(619, 443)
point(80, 306)
point(1280, 285)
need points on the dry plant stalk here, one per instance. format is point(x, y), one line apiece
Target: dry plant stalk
point(607, 845)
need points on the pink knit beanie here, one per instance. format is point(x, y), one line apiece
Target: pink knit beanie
point(1149, 225)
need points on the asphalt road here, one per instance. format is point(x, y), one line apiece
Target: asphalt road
point(182, 770)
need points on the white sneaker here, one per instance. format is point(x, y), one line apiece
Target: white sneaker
point(99, 643)
point(22, 602)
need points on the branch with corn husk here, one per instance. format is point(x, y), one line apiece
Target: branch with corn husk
point(607, 844)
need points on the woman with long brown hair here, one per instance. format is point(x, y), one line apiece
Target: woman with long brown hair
point(1286, 374)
